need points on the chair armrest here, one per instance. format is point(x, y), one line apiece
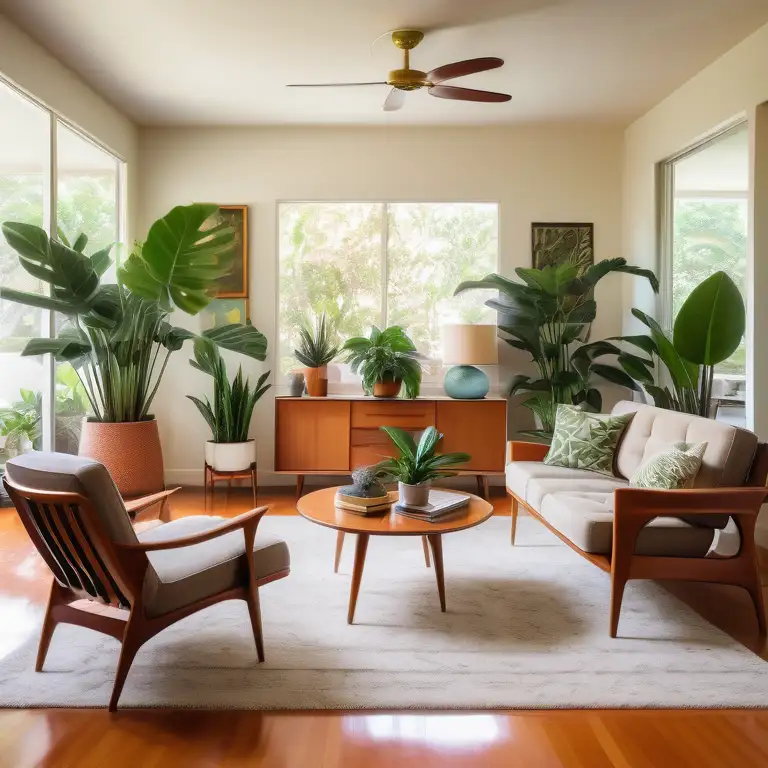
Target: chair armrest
point(134, 506)
point(247, 521)
point(519, 450)
point(651, 502)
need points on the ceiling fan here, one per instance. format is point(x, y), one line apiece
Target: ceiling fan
point(407, 79)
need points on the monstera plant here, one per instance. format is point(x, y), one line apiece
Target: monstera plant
point(548, 314)
point(119, 337)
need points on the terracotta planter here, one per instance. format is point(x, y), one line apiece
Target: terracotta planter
point(130, 451)
point(317, 381)
point(389, 388)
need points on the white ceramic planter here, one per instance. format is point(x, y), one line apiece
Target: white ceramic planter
point(230, 457)
point(414, 495)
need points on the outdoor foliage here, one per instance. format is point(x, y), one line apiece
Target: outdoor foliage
point(229, 417)
point(117, 337)
point(418, 463)
point(387, 355)
point(548, 314)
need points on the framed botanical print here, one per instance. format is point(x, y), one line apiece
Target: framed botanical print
point(562, 243)
point(224, 312)
point(235, 284)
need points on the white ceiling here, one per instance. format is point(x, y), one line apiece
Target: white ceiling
point(227, 62)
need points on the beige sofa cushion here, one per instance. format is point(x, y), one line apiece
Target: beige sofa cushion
point(532, 481)
point(586, 519)
point(188, 574)
point(726, 461)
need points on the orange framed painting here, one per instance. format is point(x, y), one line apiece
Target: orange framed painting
point(235, 284)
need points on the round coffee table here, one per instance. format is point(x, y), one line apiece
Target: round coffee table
point(319, 507)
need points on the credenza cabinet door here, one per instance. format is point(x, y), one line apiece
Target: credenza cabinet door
point(476, 427)
point(312, 435)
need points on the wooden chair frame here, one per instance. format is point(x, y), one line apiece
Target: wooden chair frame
point(634, 508)
point(101, 574)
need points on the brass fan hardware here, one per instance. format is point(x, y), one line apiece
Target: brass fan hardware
point(407, 79)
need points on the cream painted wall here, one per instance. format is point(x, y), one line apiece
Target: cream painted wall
point(535, 173)
point(729, 89)
point(33, 69)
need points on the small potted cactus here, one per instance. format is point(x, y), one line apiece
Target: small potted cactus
point(366, 489)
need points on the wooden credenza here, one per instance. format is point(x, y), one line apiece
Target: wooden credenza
point(333, 435)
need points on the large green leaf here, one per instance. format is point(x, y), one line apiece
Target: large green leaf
point(180, 261)
point(71, 275)
point(615, 375)
point(63, 349)
point(37, 300)
point(402, 440)
point(242, 338)
point(710, 325)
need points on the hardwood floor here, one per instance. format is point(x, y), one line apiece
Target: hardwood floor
point(589, 739)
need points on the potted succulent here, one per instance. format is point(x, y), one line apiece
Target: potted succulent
point(417, 465)
point(366, 486)
point(386, 361)
point(229, 417)
point(316, 350)
point(118, 337)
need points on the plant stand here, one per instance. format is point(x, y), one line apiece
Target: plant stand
point(213, 475)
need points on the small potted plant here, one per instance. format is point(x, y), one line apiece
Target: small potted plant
point(417, 465)
point(386, 361)
point(316, 350)
point(366, 489)
point(229, 417)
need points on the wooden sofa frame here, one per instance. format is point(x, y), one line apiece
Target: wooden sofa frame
point(634, 508)
point(81, 551)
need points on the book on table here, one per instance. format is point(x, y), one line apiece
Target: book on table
point(362, 501)
point(365, 509)
point(440, 504)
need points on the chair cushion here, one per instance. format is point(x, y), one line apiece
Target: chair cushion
point(185, 575)
point(586, 519)
point(531, 481)
point(726, 462)
point(63, 472)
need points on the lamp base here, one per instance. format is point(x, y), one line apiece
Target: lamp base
point(465, 382)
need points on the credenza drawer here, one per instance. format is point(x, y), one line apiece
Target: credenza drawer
point(364, 455)
point(398, 413)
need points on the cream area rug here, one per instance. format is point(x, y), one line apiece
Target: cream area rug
point(526, 627)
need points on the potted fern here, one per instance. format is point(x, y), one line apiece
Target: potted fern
point(229, 416)
point(417, 465)
point(386, 361)
point(316, 350)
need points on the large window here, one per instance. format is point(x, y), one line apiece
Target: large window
point(41, 406)
point(708, 232)
point(383, 264)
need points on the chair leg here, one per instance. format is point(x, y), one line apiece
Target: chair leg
point(339, 547)
point(49, 625)
point(132, 641)
point(254, 609)
point(755, 590)
point(514, 520)
point(617, 593)
point(425, 544)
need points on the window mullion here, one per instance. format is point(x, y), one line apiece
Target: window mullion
point(48, 418)
point(384, 262)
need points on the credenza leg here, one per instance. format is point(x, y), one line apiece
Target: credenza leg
point(482, 486)
point(299, 485)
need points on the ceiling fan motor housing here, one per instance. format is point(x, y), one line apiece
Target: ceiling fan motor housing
point(407, 79)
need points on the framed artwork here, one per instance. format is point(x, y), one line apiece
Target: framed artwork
point(235, 284)
point(223, 312)
point(562, 243)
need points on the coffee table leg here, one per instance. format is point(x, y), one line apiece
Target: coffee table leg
point(357, 573)
point(339, 547)
point(436, 543)
point(426, 550)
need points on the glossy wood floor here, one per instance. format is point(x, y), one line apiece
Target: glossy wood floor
point(589, 739)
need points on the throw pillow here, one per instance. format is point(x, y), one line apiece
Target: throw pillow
point(672, 469)
point(584, 440)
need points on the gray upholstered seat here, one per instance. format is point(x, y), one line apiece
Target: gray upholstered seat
point(186, 575)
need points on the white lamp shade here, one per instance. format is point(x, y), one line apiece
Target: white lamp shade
point(469, 345)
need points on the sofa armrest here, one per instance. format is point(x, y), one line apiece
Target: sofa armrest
point(651, 502)
point(519, 450)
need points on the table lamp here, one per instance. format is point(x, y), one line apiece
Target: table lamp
point(464, 347)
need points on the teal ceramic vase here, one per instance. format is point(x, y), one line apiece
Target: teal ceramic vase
point(466, 382)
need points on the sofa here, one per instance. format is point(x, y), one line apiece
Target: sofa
point(639, 533)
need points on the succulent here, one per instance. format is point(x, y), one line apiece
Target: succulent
point(366, 483)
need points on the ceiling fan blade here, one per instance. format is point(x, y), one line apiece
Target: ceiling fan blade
point(329, 85)
point(461, 68)
point(394, 100)
point(466, 94)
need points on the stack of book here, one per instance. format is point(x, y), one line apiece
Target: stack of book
point(360, 505)
point(441, 504)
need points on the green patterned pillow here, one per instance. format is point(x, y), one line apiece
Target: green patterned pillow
point(672, 469)
point(584, 440)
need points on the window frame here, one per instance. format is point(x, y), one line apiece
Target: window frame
point(429, 380)
point(50, 213)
